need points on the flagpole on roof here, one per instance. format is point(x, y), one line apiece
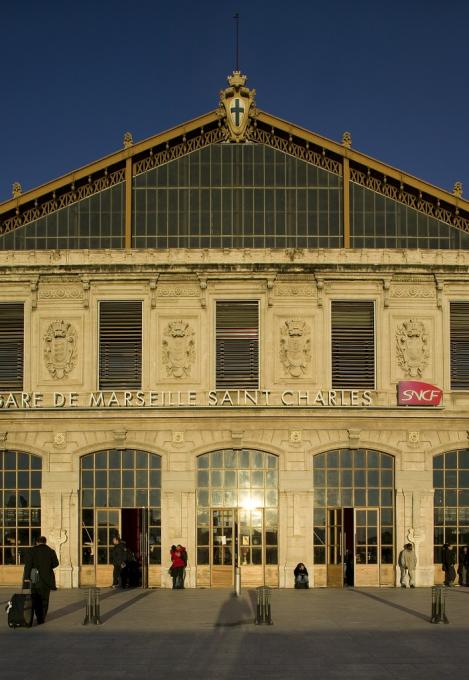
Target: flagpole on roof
point(236, 18)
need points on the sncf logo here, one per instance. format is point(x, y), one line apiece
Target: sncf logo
point(414, 393)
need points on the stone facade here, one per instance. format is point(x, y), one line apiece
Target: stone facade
point(179, 291)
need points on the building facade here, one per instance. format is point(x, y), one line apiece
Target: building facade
point(241, 337)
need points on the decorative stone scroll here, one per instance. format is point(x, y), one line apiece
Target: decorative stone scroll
point(178, 348)
point(60, 348)
point(295, 347)
point(412, 347)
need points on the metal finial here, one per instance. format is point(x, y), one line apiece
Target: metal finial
point(128, 140)
point(16, 190)
point(236, 18)
point(347, 140)
point(457, 189)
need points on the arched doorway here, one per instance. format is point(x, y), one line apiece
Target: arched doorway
point(120, 494)
point(20, 518)
point(451, 504)
point(353, 534)
point(237, 518)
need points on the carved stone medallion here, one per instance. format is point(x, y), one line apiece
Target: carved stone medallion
point(412, 347)
point(295, 350)
point(178, 348)
point(60, 348)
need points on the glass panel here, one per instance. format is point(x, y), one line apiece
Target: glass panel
point(216, 459)
point(230, 458)
point(100, 460)
point(114, 459)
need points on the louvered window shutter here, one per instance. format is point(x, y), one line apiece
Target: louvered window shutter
point(353, 345)
point(11, 346)
point(237, 345)
point(459, 345)
point(120, 345)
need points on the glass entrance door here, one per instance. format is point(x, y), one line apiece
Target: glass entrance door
point(224, 534)
point(237, 539)
point(132, 524)
point(353, 547)
point(335, 548)
point(367, 546)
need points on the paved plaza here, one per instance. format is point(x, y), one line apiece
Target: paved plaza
point(209, 634)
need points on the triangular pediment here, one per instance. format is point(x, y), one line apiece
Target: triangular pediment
point(212, 128)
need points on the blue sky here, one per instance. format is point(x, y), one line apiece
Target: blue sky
point(76, 76)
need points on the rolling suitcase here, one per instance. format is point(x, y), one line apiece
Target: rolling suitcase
point(20, 611)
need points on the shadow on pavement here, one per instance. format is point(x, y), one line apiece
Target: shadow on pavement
point(235, 611)
point(76, 606)
point(412, 612)
point(124, 605)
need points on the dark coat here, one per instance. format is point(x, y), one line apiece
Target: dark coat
point(448, 559)
point(119, 554)
point(44, 559)
point(298, 571)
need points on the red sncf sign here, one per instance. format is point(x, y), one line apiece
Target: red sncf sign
point(414, 393)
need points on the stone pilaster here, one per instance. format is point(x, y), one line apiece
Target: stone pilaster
point(58, 511)
point(414, 524)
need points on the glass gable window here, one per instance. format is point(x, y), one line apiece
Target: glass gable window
point(451, 504)
point(380, 222)
point(20, 519)
point(94, 222)
point(237, 196)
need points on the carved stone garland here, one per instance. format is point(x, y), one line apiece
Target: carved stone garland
point(412, 347)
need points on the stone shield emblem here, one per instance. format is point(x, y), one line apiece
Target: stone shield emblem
point(178, 348)
point(412, 347)
point(295, 349)
point(60, 348)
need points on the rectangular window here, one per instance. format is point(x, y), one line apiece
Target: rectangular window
point(353, 345)
point(120, 345)
point(459, 345)
point(237, 345)
point(11, 345)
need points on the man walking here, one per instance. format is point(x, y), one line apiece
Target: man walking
point(39, 568)
point(119, 561)
point(407, 563)
point(448, 560)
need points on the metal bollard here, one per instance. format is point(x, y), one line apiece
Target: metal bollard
point(439, 605)
point(92, 607)
point(263, 608)
point(97, 607)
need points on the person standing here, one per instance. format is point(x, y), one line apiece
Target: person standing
point(448, 560)
point(463, 566)
point(177, 566)
point(119, 562)
point(407, 564)
point(40, 563)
